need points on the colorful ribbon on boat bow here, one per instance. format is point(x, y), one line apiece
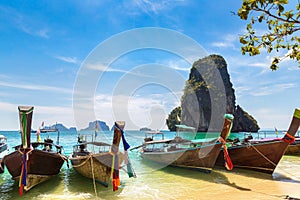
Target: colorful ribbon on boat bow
point(23, 175)
point(115, 172)
point(288, 138)
point(228, 121)
point(127, 162)
point(228, 163)
point(115, 166)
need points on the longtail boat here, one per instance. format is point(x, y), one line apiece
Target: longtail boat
point(195, 154)
point(98, 160)
point(294, 148)
point(3, 151)
point(32, 162)
point(3, 146)
point(262, 156)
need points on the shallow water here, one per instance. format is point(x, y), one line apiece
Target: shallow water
point(158, 182)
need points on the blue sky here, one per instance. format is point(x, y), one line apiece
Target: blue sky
point(44, 43)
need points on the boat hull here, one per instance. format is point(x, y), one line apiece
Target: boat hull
point(41, 166)
point(293, 149)
point(261, 156)
point(3, 150)
point(95, 166)
point(201, 158)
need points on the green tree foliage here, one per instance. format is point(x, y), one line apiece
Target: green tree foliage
point(281, 28)
point(174, 118)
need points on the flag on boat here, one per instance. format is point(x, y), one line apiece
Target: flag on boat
point(276, 131)
point(38, 135)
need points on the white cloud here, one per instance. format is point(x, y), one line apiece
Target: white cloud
point(138, 111)
point(104, 68)
point(49, 114)
point(277, 118)
point(156, 6)
point(72, 60)
point(228, 41)
point(272, 89)
point(26, 23)
point(5, 106)
point(178, 65)
point(35, 87)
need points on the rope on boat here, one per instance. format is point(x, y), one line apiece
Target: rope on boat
point(92, 166)
point(265, 157)
point(270, 160)
point(64, 158)
point(82, 162)
point(94, 181)
point(1, 168)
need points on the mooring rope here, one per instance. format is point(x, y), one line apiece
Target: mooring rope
point(270, 160)
point(265, 157)
point(94, 181)
point(1, 166)
point(90, 157)
point(82, 162)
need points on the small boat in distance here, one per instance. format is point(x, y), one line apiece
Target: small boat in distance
point(198, 154)
point(32, 162)
point(46, 129)
point(261, 155)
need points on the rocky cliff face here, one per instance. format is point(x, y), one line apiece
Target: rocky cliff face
point(208, 95)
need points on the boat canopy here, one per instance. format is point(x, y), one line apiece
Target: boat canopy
point(158, 141)
point(154, 132)
point(204, 140)
point(93, 143)
point(182, 126)
point(2, 137)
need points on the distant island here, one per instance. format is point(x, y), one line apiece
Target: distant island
point(59, 127)
point(92, 125)
point(145, 129)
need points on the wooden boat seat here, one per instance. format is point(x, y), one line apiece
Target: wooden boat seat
point(83, 153)
point(148, 139)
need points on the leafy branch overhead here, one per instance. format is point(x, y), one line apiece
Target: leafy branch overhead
point(281, 26)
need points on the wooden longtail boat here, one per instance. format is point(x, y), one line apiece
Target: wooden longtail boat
point(262, 156)
point(294, 148)
point(3, 145)
point(3, 151)
point(100, 160)
point(195, 154)
point(32, 162)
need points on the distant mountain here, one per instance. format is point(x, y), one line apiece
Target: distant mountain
point(59, 127)
point(145, 129)
point(101, 126)
point(73, 129)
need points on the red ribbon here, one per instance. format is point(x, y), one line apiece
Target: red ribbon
point(228, 163)
point(288, 138)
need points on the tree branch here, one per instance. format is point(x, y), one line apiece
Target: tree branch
point(274, 16)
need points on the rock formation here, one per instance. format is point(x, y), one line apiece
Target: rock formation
point(101, 126)
point(208, 95)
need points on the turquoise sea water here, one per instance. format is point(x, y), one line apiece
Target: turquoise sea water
point(159, 182)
